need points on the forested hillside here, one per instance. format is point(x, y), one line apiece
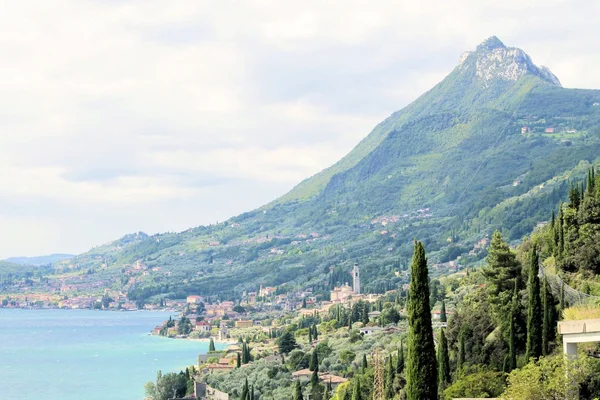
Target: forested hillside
point(492, 146)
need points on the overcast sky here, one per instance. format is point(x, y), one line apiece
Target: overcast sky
point(118, 116)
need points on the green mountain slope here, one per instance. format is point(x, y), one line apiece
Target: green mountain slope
point(462, 160)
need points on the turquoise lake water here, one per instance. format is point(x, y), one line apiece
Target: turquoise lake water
point(75, 354)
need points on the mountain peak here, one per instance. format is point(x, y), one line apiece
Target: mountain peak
point(493, 61)
point(491, 43)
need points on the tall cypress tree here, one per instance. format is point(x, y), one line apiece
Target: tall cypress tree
point(314, 379)
point(460, 360)
point(545, 317)
point(211, 346)
point(443, 317)
point(245, 390)
point(356, 395)
point(364, 362)
point(443, 361)
point(400, 361)
point(562, 304)
point(389, 379)
point(314, 361)
point(298, 391)
point(534, 311)
point(421, 369)
point(310, 338)
point(512, 349)
point(239, 360)
point(560, 227)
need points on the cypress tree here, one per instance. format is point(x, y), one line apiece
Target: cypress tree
point(534, 311)
point(561, 230)
point(421, 370)
point(245, 390)
point(364, 362)
point(314, 379)
point(562, 298)
point(512, 350)
point(545, 317)
point(328, 390)
point(298, 391)
point(365, 314)
point(239, 360)
point(389, 380)
point(310, 339)
point(356, 395)
point(348, 393)
point(554, 227)
point(400, 361)
point(443, 317)
point(252, 393)
point(460, 360)
point(244, 359)
point(443, 361)
point(211, 346)
point(314, 362)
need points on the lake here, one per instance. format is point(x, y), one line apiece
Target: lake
point(75, 354)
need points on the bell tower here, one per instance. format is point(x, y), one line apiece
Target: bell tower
point(356, 279)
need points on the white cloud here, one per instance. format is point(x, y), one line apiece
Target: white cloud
point(117, 116)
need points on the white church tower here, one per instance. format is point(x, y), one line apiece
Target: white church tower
point(356, 279)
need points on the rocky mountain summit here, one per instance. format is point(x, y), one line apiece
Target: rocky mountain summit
point(492, 60)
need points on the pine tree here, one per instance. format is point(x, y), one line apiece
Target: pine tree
point(298, 391)
point(501, 272)
point(211, 346)
point(443, 317)
point(512, 350)
point(421, 371)
point(314, 362)
point(356, 395)
point(400, 361)
point(534, 311)
point(443, 361)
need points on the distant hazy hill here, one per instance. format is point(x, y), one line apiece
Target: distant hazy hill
point(40, 260)
point(492, 146)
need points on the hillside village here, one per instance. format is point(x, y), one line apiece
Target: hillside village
point(246, 335)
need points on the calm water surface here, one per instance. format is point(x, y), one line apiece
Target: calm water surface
point(75, 354)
